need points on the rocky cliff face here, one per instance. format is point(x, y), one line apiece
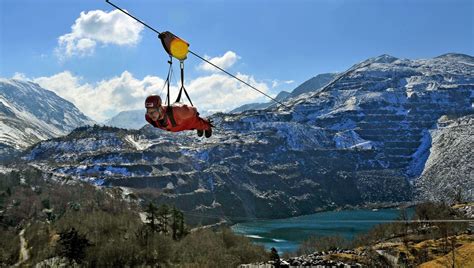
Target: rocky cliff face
point(449, 171)
point(359, 139)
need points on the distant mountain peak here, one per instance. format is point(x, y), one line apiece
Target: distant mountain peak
point(384, 58)
point(132, 119)
point(456, 56)
point(311, 85)
point(30, 113)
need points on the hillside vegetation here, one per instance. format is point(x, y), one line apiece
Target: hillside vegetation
point(67, 222)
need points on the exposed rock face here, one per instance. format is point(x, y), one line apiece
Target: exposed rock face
point(316, 259)
point(29, 114)
point(449, 171)
point(358, 139)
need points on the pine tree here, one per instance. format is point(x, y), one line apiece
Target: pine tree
point(152, 212)
point(177, 225)
point(163, 216)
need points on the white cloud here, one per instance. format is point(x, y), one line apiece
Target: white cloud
point(219, 92)
point(20, 76)
point(101, 27)
point(106, 98)
point(276, 83)
point(226, 61)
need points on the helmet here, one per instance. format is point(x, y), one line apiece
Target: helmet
point(153, 101)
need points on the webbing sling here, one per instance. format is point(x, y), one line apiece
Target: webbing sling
point(181, 65)
point(169, 113)
point(169, 108)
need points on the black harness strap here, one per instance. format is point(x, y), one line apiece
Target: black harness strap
point(169, 109)
point(181, 65)
point(169, 113)
point(167, 82)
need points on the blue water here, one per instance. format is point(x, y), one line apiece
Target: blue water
point(286, 234)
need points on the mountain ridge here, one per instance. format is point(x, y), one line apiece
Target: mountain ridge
point(351, 142)
point(131, 119)
point(29, 113)
point(312, 84)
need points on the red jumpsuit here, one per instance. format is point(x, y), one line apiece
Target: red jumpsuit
point(185, 117)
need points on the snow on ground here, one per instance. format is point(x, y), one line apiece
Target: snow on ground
point(5, 170)
point(420, 156)
point(140, 145)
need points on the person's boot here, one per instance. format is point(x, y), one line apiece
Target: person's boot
point(208, 133)
point(200, 132)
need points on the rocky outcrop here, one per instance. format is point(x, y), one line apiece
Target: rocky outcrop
point(316, 259)
point(448, 175)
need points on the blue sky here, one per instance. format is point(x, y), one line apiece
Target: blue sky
point(275, 45)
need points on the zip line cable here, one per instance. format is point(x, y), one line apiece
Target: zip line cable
point(148, 26)
point(199, 57)
point(240, 80)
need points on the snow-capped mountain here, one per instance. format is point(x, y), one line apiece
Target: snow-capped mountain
point(310, 85)
point(133, 119)
point(449, 171)
point(313, 84)
point(361, 138)
point(29, 113)
point(261, 105)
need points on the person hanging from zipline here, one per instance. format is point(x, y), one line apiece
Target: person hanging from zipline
point(177, 117)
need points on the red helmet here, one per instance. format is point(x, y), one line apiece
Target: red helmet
point(153, 101)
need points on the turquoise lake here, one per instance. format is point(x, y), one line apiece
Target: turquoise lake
point(286, 234)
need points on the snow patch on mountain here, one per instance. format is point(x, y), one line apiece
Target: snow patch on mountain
point(140, 144)
point(351, 140)
point(419, 157)
point(29, 113)
point(449, 171)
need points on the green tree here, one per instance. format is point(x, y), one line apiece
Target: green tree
point(46, 203)
point(72, 245)
point(152, 214)
point(163, 217)
point(403, 259)
point(177, 224)
point(275, 257)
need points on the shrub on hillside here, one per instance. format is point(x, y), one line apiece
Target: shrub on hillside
point(9, 247)
point(205, 248)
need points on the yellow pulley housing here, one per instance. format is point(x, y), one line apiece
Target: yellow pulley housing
point(174, 45)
